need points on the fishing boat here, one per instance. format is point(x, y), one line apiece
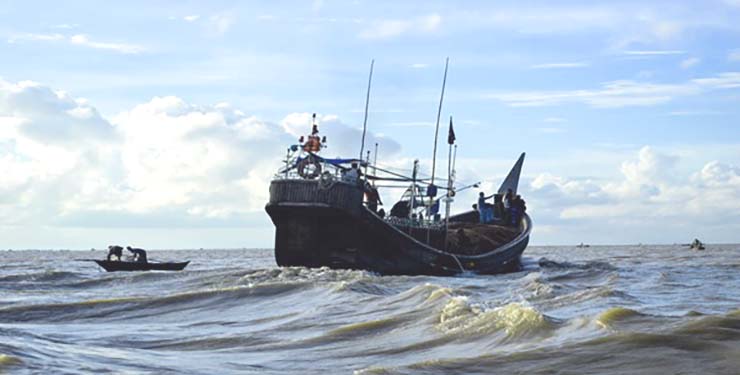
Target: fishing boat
point(325, 212)
point(111, 266)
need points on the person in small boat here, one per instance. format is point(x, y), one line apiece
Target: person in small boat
point(115, 250)
point(485, 210)
point(139, 254)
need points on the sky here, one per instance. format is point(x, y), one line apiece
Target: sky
point(160, 124)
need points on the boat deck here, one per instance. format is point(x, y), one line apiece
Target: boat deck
point(475, 238)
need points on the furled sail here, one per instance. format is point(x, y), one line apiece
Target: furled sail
point(512, 180)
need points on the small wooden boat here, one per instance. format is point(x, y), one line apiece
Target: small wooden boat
point(112, 265)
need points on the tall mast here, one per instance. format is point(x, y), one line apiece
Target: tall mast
point(413, 188)
point(367, 103)
point(439, 113)
point(448, 197)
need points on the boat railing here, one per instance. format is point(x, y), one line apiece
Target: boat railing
point(414, 223)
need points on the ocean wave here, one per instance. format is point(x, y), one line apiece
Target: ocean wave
point(209, 343)
point(536, 288)
point(39, 277)
point(139, 307)
point(7, 361)
point(597, 265)
point(302, 275)
point(514, 319)
point(615, 314)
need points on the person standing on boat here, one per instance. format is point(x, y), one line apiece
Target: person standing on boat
point(484, 211)
point(508, 203)
point(115, 250)
point(517, 209)
point(351, 175)
point(373, 197)
point(139, 254)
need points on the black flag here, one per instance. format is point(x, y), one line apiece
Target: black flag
point(451, 134)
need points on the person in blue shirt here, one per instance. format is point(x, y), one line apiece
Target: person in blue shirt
point(484, 211)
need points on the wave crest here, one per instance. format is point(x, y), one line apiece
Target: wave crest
point(515, 319)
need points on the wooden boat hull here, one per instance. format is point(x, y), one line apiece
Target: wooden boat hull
point(328, 226)
point(112, 266)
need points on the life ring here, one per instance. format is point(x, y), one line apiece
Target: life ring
point(309, 168)
point(326, 180)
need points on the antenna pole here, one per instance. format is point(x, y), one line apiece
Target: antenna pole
point(375, 163)
point(367, 104)
point(454, 158)
point(439, 113)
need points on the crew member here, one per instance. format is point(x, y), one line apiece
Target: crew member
point(139, 254)
point(484, 210)
point(115, 250)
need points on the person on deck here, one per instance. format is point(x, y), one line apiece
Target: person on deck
point(517, 209)
point(485, 212)
point(139, 254)
point(115, 250)
point(373, 197)
point(508, 199)
point(352, 174)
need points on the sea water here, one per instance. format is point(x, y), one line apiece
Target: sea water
point(599, 310)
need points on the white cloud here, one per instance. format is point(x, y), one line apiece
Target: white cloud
point(84, 40)
point(561, 65)
point(654, 52)
point(555, 120)
point(164, 163)
point(220, 24)
point(66, 26)
point(652, 195)
point(388, 28)
point(691, 61)
point(78, 40)
point(419, 66)
point(727, 80)
point(623, 93)
point(191, 18)
point(551, 130)
point(35, 37)
point(695, 113)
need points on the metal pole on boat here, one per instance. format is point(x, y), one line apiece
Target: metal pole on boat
point(454, 158)
point(439, 113)
point(448, 198)
point(367, 162)
point(413, 188)
point(375, 163)
point(367, 104)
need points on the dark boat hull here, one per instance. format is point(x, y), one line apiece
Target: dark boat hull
point(317, 227)
point(112, 266)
